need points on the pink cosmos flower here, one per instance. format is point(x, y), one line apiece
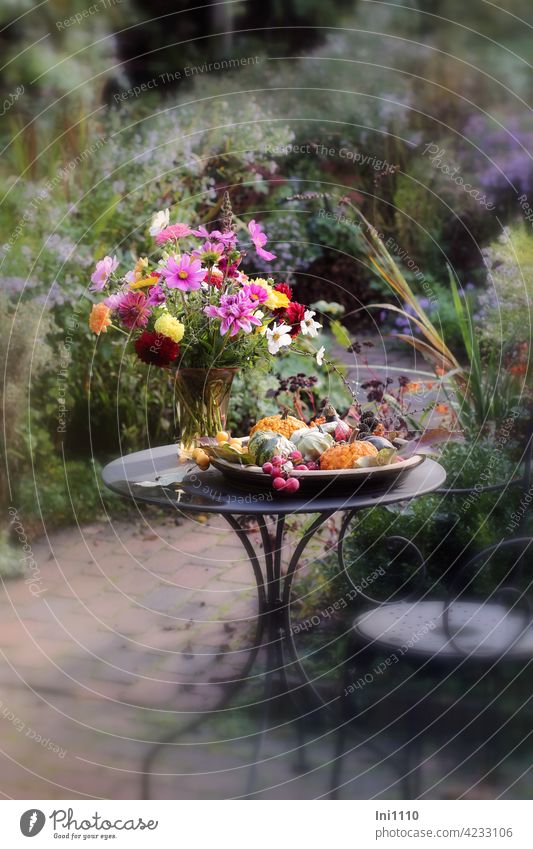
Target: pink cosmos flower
point(103, 271)
point(236, 312)
point(228, 238)
point(255, 293)
point(184, 273)
point(174, 231)
point(114, 301)
point(259, 239)
point(134, 309)
point(210, 252)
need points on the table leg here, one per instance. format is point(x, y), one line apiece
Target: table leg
point(274, 600)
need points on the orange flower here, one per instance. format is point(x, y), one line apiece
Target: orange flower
point(519, 368)
point(412, 387)
point(442, 409)
point(99, 319)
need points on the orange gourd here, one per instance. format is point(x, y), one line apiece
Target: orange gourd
point(344, 456)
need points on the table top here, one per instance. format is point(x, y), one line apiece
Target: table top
point(209, 492)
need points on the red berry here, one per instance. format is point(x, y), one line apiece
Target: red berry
point(292, 485)
point(312, 466)
point(295, 456)
point(279, 483)
point(267, 468)
point(276, 472)
point(301, 468)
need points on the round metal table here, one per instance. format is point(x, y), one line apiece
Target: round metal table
point(193, 491)
point(209, 492)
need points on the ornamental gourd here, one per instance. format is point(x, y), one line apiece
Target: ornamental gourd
point(311, 442)
point(281, 423)
point(265, 444)
point(346, 456)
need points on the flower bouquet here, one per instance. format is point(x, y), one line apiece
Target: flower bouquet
point(193, 311)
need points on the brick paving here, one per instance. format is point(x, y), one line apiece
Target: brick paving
point(137, 628)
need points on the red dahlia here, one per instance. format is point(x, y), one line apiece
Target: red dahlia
point(284, 289)
point(155, 349)
point(294, 314)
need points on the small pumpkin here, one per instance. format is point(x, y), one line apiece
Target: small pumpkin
point(281, 423)
point(265, 444)
point(346, 456)
point(311, 442)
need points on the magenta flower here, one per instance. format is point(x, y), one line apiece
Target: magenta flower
point(236, 312)
point(134, 309)
point(230, 269)
point(260, 239)
point(255, 293)
point(103, 271)
point(156, 296)
point(184, 273)
point(173, 231)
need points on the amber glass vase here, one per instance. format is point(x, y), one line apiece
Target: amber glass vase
point(202, 399)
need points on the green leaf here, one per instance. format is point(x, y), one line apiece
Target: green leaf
point(340, 333)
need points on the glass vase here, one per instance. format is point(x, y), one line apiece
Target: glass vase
point(202, 400)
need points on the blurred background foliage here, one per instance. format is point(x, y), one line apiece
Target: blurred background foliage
point(343, 98)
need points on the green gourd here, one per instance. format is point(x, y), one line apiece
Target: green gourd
point(311, 442)
point(265, 444)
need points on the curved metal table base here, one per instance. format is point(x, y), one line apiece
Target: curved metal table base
point(273, 622)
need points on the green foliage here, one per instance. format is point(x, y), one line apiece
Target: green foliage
point(11, 565)
point(507, 304)
point(65, 493)
point(490, 393)
point(447, 529)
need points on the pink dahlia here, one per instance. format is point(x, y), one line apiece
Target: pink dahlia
point(103, 271)
point(173, 231)
point(184, 273)
point(236, 312)
point(260, 239)
point(134, 309)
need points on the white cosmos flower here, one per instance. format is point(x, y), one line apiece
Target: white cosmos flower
point(308, 325)
point(320, 355)
point(160, 220)
point(278, 336)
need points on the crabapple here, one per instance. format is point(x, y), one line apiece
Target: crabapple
point(292, 485)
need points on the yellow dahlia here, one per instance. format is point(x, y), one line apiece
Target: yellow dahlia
point(151, 280)
point(276, 300)
point(169, 326)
